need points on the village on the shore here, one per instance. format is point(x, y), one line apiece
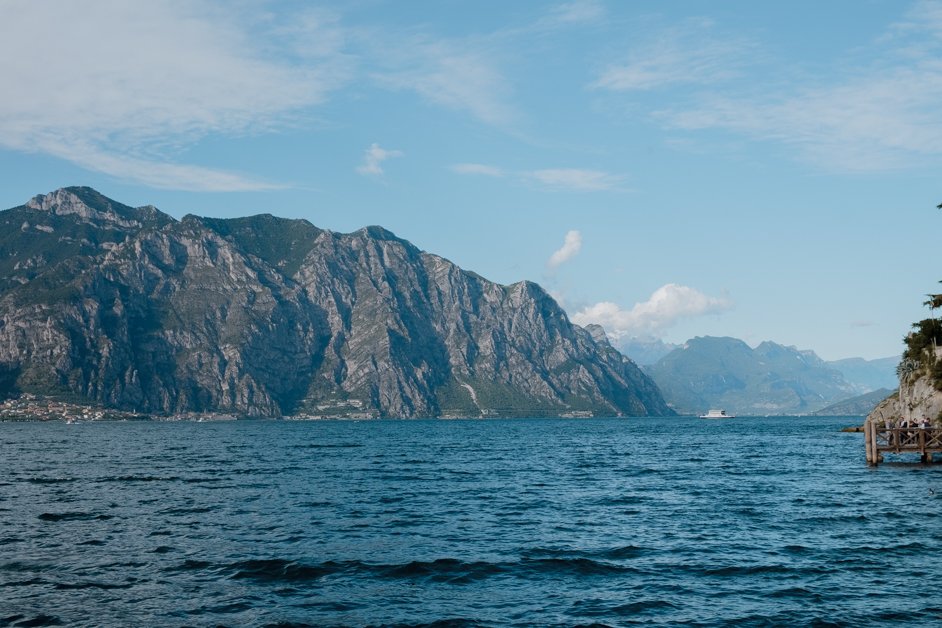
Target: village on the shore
point(30, 407)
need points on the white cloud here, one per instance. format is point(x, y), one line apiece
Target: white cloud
point(576, 12)
point(465, 73)
point(575, 179)
point(669, 304)
point(691, 54)
point(882, 114)
point(373, 157)
point(870, 124)
point(96, 83)
point(480, 169)
point(455, 74)
point(158, 174)
point(572, 244)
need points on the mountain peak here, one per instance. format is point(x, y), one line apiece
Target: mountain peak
point(598, 333)
point(83, 201)
point(89, 205)
point(379, 233)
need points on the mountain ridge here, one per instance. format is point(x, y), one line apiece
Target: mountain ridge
point(723, 372)
point(265, 316)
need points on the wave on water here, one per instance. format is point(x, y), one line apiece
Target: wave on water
point(22, 621)
point(73, 516)
point(140, 478)
point(39, 480)
point(278, 570)
point(614, 553)
point(450, 570)
point(605, 608)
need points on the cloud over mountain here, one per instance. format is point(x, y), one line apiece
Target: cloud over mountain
point(667, 305)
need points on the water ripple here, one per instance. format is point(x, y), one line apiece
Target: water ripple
point(754, 522)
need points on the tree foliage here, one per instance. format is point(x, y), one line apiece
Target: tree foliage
point(926, 335)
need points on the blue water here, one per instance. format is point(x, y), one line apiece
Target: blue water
point(749, 521)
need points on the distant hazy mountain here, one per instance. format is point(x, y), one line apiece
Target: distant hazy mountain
point(264, 316)
point(868, 375)
point(710, 372)
point(856, 406)
point(645, 351)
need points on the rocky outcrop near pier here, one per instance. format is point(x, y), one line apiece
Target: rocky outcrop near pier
point(262, 316)
point(918, 398)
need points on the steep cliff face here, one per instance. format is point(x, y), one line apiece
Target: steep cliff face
point(918, 398)
point(265, 316)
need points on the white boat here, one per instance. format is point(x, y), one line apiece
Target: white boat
point(717, 414)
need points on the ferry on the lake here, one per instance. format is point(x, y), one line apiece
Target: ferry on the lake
point(717, 414)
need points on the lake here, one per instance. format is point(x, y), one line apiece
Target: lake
point(746, 521)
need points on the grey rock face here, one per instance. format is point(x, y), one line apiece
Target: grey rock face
point(263, 316)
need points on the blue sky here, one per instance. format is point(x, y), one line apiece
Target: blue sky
point(667, 169)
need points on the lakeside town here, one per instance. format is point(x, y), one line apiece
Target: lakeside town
point(30, 407)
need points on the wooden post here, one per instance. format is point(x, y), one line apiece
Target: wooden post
point(868, 435)
point(874, 446)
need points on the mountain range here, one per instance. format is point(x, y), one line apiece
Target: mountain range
point(709, 372)
point(263, 316)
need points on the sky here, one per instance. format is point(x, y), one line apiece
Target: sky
point(762, 170)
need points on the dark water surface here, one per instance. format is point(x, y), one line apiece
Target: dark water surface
point(771, 521)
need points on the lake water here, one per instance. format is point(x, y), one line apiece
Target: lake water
point(748, 521)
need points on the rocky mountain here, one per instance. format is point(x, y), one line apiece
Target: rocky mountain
point(709, 372)
point(262, 316)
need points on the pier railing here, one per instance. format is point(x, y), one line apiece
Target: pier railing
point(924, 441)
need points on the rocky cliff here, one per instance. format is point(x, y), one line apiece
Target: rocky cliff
point(263, 316)
point(918, 397)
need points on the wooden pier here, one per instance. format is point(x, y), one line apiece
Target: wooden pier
point(901, 440)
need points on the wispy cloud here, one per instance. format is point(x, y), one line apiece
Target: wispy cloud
point(575, 179)
point(478, 169)
point(468, 74)
point(668, 305)
point(457, 74)
point(691, 54)
point(373, 158)
point(100, 87)
point(874, 123)
point(882, 114)
point(572, 244)
point(571, 179)
point(157, 174)
point(576, 12)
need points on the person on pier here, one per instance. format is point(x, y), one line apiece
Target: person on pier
point(888, 424)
